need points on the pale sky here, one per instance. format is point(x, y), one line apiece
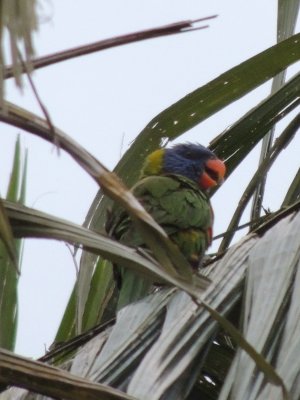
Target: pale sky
point(104, 100)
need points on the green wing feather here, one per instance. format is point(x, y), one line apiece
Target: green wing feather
point(182, 210)
point(177, 204)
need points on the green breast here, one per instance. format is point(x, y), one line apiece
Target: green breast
point(177, 204)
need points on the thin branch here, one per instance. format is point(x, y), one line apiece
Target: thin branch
point(37, 96)
point(238, 228)
point(262, 221)
point(281, 142)
point(271, 220)
point(61, 349)
point(72, 250)
point(170, 29)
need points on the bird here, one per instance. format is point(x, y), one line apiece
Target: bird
point(173, 188)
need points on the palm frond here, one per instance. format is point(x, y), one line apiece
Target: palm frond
point(286, 23)
point(233, 145)
point(158, 347)
point(229, 332)
point(51, 381)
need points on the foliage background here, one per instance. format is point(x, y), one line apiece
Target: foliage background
point(105, 101)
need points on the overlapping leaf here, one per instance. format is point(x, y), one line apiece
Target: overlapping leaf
point(233, 145)
point(10, 255)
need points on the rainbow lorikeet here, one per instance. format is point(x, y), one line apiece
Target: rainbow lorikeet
point(173, 189)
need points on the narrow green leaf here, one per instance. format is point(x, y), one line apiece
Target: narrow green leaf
point(94, 287)
point(8, 300)
point(23, 184)
point(21, 200)
point(101, 290)
point(7, 237)
point(14, 182)
point(84, 277)
point(66, 329)
point(9, 261)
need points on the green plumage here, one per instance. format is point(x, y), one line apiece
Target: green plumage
point(178, 205)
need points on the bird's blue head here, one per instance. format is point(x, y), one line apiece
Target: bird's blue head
point(192, 161)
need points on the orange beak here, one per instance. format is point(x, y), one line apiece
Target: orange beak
point(213, 174)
